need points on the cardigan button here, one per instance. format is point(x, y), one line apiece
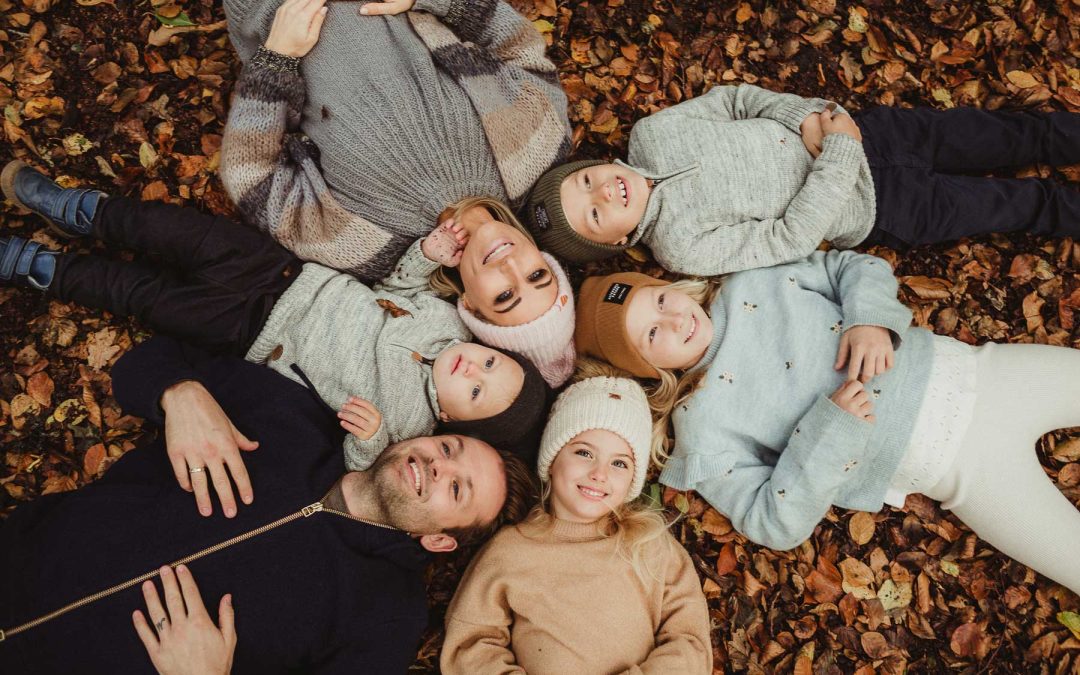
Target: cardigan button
point(276, 354)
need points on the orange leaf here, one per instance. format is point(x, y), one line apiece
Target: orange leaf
point(40, 387)
point(95, 455)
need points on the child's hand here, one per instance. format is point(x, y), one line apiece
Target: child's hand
point(360, 417)
point(834, 123)
point(852, 398)
point(296, 27)
point(446, 243)
point(812, 134)
point(868, 351)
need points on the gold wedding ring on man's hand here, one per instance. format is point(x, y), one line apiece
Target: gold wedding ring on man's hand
point(198, 469)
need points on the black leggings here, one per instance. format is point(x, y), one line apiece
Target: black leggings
point(929, 171)
point(215, 285)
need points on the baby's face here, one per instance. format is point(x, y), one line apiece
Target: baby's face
point(604, 203)
point(474, 382)
point(590, 476)
point(668, 328)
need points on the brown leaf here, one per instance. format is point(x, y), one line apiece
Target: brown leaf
point(927, 288)
point(106, 73)
point(970, 640)
point(100, 348)
point(875, 645)
point(1021, 79)
point(40, 387)
point(857, 579)
point(395, 311)
point(715, 523)
point(861, 528)
point(726, 561)
point(93, 459)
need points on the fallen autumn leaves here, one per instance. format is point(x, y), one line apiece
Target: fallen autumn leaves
point(131, 97)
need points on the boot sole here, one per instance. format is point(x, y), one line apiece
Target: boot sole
point(7, 184)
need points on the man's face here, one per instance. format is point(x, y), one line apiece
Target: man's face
point(432, 484)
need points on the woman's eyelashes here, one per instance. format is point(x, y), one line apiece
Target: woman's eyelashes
point(475, 392)
point(504, 297)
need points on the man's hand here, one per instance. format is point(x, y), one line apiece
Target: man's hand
point(389, 7)
point(812, 134)
point(445, 243)
point(201, 443)
point(838, 123)
point(296, 27)
point(867, 351)
point(185, 641)
point(852, 398)
point(360, 417)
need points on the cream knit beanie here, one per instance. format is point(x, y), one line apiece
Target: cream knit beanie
point(547, 341)
point(616, 404)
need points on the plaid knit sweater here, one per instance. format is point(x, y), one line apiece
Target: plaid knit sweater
point(389, 121)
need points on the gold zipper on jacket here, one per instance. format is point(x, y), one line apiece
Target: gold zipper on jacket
point(305, 512)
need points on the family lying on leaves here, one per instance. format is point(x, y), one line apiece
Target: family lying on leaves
point(801, 385)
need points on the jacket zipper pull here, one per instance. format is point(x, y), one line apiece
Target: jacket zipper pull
point(314, 508)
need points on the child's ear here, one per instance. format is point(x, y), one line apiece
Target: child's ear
point(443, 416)
point(465, 302)
point(438, 543)
point(623, 241)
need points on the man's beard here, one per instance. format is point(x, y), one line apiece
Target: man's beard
point(397, 508)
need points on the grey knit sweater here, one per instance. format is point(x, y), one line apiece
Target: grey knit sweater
point(760, 439)
point(738, 190)
point(400, 117)
point(331, 326)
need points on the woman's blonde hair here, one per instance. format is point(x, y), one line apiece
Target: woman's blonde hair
point(446, 281)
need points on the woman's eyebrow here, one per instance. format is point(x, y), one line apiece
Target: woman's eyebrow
point(512, 305)
point(551, 277)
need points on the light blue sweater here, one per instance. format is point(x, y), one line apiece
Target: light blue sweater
point(760, 439)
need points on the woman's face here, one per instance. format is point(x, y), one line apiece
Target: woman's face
point(668, 328)
point(591, 476)
point(506, 280)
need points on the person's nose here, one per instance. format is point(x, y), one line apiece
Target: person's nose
point(598, 473)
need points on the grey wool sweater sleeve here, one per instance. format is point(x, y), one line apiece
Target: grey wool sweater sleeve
point(738, 189)
point(270, 170)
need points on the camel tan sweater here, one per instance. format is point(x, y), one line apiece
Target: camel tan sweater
point(561, 600)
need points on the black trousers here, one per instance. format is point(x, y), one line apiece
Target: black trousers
point(214, 286)
point(929, 171)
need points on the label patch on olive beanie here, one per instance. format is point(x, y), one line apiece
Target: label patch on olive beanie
point(541, 218)
point(617, 293)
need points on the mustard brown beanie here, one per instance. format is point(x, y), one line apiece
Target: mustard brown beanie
point(601, 321)
point(546, 220)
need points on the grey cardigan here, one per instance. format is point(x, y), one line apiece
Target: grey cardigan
point(738, 190)
point(331, 326)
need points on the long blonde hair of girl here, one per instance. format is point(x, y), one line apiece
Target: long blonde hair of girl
point(634, 525)
point(446, 281)
point(674, 387)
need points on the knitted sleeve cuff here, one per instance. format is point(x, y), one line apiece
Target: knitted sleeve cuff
point(266, 58)
point(439, 8)
point(894, 319)
point(828, 433)
point(792, 113)
point(361, 454)
point(266, 78)
point(843, 150)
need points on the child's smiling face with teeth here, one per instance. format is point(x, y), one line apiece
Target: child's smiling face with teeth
point(604, 203)
point(590, 476)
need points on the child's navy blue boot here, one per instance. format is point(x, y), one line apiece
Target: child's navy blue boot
point(70, 213)
point(25, 263)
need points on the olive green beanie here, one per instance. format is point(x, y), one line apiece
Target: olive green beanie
point(547, 221)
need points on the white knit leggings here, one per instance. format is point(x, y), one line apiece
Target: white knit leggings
point(996, 486)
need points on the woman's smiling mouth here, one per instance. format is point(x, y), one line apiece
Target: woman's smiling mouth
point(592, 493)
point(500, 250)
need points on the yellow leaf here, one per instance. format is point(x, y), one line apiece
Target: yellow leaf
point(543, 26)
point(1070, 620)
point(1021, 79)
point(861, 527)
point(893, 595)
